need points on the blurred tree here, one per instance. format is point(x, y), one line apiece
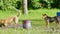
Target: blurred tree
point(24, 6)
point(34, 4)
point(1, 4)
point(43, 3)
point(56, 4)
point(18, 4)
point(6, 4)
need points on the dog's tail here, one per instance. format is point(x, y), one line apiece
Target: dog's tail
point(18, 13)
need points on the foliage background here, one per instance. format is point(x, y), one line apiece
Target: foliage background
point(32, 4)
point(34, 15)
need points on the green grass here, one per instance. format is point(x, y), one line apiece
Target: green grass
point(38, 24)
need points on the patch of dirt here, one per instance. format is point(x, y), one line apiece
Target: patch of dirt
point(12, 26)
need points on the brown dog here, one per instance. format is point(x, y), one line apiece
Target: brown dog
point(49, 19)
point(5, 22)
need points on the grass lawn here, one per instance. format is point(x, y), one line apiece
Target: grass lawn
point(38, 24)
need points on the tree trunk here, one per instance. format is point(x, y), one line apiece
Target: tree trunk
point(24, 7)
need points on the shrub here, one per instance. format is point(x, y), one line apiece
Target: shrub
point(33, 4)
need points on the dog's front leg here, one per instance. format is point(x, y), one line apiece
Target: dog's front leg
point(5, 24)
point(47, 23)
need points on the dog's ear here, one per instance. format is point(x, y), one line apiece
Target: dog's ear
point(43, 14)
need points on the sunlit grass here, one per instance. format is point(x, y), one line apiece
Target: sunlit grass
point(38, 24)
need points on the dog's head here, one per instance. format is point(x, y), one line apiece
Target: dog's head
point(44, 15)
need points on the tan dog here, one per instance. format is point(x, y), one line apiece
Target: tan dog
point(5, 22)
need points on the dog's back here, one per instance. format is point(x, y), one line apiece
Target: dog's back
point(50, 19)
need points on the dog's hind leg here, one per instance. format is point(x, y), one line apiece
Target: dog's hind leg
point(16, 20)
point(5, 24)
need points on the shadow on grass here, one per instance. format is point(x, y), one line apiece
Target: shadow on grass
point(32, 19)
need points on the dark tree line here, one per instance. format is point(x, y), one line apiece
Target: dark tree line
point(44, 4)
point(32, 4)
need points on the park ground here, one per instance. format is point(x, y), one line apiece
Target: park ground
point(35, 16)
